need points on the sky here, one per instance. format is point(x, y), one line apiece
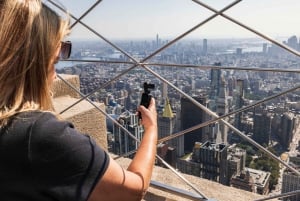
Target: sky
point(143, 19)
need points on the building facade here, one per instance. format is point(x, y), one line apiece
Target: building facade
point(123, 142)
point(192, 115)
point(208, 160)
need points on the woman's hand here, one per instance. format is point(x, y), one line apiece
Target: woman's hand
point(149, 115)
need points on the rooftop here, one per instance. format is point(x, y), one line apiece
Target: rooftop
point(212, 189)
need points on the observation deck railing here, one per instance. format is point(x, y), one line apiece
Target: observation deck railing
point(134, 63)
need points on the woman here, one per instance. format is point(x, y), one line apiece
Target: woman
point(43, 158)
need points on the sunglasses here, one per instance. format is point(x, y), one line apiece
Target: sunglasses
point(65, 50)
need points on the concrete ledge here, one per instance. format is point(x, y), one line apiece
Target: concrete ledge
point(60, 88)
point(85, 117)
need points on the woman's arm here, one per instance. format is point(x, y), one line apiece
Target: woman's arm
point(131, 184)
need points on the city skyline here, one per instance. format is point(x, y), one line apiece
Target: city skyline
point(130, 19)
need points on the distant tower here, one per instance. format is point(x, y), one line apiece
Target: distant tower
point(204, 52)
point(265, 48)
point(157, 41)
point(239, 102)
point(215, 80)
point(123, 142)
point(239, 51)
point(222, 108)
point(231, 85)
point(164, 91)
point(192, 115)
point(293, 42)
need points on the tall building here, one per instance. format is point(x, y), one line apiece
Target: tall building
point(287, 129)
point(209, 161)
point(192, 115)
point(261, 127)
point(231, 83)
point(204, 52)
point(291, 181)
point(157, 41)
point(166, 123)
point(236, 161)
point(239, 102)
point(265, 48)
point(215, 82)
point(166, 127)
point(222, 109)
point(123, 143)
point(239, 51)
point(164, 90)
point(293, 42)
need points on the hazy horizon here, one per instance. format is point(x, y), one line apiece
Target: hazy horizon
point(141, 19)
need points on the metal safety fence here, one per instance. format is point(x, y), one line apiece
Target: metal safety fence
point(143, 63)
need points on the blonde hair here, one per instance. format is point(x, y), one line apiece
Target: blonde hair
point(30, 33)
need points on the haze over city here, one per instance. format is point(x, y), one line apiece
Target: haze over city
point(136, 19)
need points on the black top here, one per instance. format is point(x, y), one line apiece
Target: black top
point(45, 159)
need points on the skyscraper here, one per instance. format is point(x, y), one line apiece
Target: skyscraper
point(123, 142)
point(293, 42)
point(166, 127)
point(287, 129)
point(166, 121)
point(204, 51)
point(192, 115)
point(215, 80)
point(213, 160)
point(261, 127)
point(265, 48)
point(218, 103)
point(209, 161)
point(157, 41)
point(222, 109)
point(290, 180)
point(164, 90)
point(239, 103)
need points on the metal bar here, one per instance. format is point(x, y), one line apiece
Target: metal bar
point(250, 29)
point(125, 155)
point(87, 12)
point(175, 191)
point(203, 67)
point(181, 177)
point(283, 195)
